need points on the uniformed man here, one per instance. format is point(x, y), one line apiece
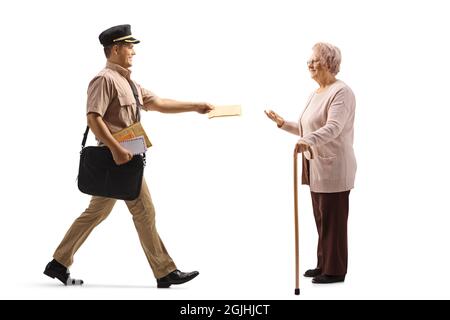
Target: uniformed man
point(112, 106)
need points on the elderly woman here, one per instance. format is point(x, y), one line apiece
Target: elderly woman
point(326, 126)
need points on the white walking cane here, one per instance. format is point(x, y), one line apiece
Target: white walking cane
point(297, 256)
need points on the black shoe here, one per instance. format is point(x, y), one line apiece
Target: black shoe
point(313, 273)
point(328, 279)
point(176, 277)
point(54, 269)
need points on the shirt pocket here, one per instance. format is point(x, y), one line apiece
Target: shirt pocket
point(126, 101)
point(127, 112)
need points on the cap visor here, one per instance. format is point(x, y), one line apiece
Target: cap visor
point(132, 40)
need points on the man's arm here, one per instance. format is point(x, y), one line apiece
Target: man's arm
point(174, 106)
point(101, 131)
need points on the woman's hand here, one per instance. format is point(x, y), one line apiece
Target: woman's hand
point(303, 147)
point(275, 117)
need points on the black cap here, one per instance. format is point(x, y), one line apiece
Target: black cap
point(116, 34)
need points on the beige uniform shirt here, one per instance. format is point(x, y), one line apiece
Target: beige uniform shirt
point(110, 95)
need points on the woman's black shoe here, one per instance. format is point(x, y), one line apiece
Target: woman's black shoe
point(311, 273)
point(328, 279)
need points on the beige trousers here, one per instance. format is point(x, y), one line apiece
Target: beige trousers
point(144, 219)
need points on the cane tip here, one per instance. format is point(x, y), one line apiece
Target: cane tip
point(297, 292)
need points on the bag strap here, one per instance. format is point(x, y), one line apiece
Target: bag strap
point(136, 97)
point(84, 137)
point(138, 111)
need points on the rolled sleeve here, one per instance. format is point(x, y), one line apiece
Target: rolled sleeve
point(100, 92)
point(148, 97)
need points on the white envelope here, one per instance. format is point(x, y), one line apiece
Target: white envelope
point(135, 145)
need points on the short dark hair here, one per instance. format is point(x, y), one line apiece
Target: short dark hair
point(107, 50)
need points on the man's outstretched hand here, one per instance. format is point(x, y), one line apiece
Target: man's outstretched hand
point(204, 108)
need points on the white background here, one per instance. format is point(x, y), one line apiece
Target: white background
point(223, 187)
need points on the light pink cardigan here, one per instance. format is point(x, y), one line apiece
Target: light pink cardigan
point(326, 124)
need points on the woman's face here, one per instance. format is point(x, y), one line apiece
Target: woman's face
point(315, 67)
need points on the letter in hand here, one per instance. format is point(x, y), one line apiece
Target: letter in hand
point(274, 117)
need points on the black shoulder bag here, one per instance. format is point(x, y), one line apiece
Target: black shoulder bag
point(99, 175)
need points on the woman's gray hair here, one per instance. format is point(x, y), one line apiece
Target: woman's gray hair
point(329, 56)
